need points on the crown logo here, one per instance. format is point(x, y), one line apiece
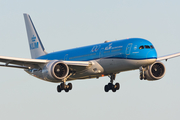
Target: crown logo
point(33, 38)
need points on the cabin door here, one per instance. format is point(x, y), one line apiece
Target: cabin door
point(128, 49)
point(66, 57)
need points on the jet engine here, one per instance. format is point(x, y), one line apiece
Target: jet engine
point(55, 71)
point(155, 71)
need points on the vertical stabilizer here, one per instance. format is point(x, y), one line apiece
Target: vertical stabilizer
point(35, 44)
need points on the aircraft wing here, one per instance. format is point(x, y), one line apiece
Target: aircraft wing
point(168, 56)
point(34, 63)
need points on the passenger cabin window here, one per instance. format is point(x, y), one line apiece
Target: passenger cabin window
point(141, 47)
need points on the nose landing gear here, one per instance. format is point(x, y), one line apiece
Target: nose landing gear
point(142, 75)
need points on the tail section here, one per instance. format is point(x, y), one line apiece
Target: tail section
point(35, 44)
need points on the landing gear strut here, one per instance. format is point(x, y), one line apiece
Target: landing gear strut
point(142, 75)
point(111, 86)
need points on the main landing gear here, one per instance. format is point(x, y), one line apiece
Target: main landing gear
point(111, 86)
point(63, 85)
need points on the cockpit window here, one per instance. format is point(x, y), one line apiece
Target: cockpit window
point(152, 46)
point(147, 46)
point(141, 47)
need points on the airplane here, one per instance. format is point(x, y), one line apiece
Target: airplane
point(93, 61)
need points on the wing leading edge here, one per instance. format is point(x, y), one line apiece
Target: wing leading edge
point(25, 63)
point(168, 56)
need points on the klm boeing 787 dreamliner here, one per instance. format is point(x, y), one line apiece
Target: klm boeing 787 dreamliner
point(94, 61)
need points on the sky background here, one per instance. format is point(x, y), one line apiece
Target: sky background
point(64, 24)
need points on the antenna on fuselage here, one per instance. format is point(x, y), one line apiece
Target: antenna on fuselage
point(107, 41)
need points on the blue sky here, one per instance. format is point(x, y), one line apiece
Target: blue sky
point(68, 24)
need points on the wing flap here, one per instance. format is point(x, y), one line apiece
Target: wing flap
point(15, 66)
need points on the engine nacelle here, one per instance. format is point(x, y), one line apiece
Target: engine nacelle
point(55, 71)
point(155, 71)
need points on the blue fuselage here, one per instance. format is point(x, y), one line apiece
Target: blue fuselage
point(133, 48)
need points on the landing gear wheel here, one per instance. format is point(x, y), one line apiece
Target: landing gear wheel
point(58, 88)
point(110, 85)
point(114, 88)
point(117, 85)
point(67, 90)
point(145, 78)
point(64, 87)
point(69, 86)
point(141, 77)
point(106, 88)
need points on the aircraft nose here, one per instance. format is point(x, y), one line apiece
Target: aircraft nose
point(151, 54)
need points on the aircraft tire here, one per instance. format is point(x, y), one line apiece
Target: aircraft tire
point(106, 88)
point(141, 77)
point(58, 88)
point(110, 85)
point(117, 86)
point(114, 88)
point(145, 77)
point(70, 86)
point(67, 90)
point(62, 86)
